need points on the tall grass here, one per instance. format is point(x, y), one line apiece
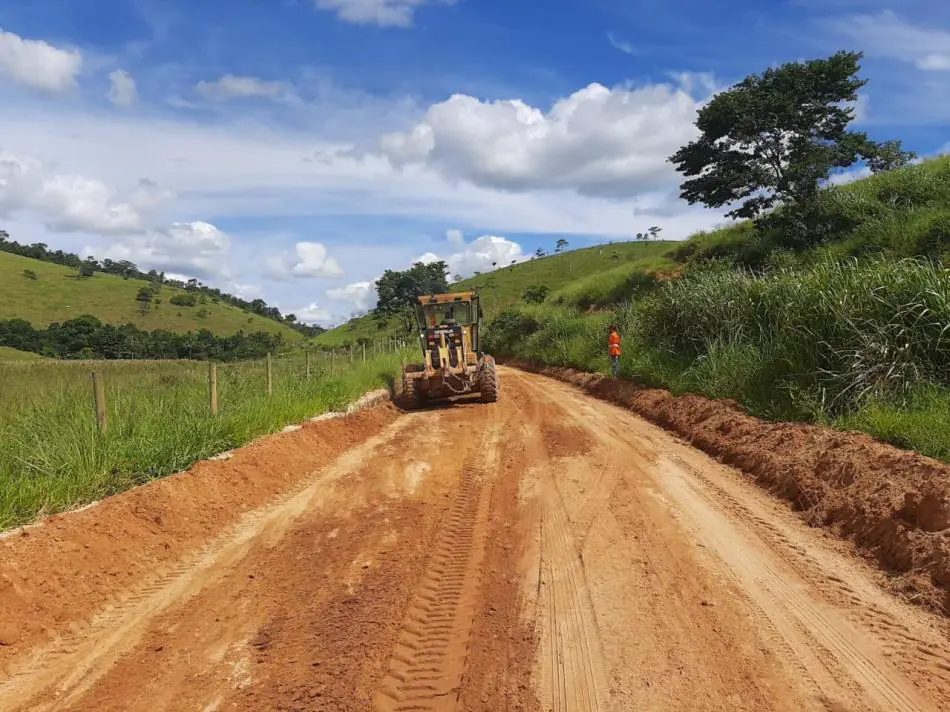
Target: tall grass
point(52, 457)
point(859, 344)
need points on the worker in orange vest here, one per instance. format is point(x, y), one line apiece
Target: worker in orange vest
point(613, 349)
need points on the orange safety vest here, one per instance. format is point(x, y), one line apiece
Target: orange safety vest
point(613, 342)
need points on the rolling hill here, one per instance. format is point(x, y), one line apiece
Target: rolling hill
point(58, 294)
point(591, 266)
point(8, 354)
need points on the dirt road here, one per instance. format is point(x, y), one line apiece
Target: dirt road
point(548, 552)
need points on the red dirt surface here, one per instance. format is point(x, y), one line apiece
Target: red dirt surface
point(546, 552)
point(894, 505)
point(53, 575)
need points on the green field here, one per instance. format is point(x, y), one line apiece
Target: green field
point(504, 287)
point(58, 294)
point(52, 457)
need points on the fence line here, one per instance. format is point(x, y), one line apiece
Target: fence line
point(99, 381)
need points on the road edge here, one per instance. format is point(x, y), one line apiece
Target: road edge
point(892, 504)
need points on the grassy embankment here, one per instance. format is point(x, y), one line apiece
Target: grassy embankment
point(52, 457)
point(58, 294)
point(854, 332)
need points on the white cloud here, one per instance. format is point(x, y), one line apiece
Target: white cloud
point(72, 203)
point(64, 202)
point(427, 258)
point(624, 47)
point(455, 237)
point(484, 254)
point(888, 35)
point(313, 314)
point(38, 64)
point(246, 291)
point(849, 176)
point(386, 13)
point(237, 170)
point(597, 142)
point(188, 248)
point(122, 89)
point(360, 295)
point(233, 87)
point(308, 261)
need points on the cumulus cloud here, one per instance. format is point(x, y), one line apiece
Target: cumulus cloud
point(485, 254)
point(313, 314)
point(189, 248)
point(360, 295)
point(456, 237)
point(70, 202)
point(309, 260)
point(427, 258)
point(386, 13)
point(886, 34)
point(38, 64)
point(123, 90)
point(598, 141)
point(234, 87)
point(73, 203)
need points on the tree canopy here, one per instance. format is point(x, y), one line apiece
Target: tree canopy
point(773, 138)
point(398, 290)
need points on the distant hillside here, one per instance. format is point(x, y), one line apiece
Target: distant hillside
point(585, 270)
point(8, 354)
point(58, 293)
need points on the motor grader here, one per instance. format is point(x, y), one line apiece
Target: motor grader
point(452, 364)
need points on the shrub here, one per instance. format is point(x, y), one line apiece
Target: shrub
point(184, 300)
point(535, 294)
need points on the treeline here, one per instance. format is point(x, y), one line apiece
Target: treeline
point(86, 337)
point(129, 270)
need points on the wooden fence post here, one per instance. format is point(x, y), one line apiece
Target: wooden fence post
point(308, 365)
point(364, 352)
point(213, 386)
point(99, 393)
point(270, 375)
point(351, 353)
point(331, 362)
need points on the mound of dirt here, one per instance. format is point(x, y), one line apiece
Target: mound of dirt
point(892, 504)
point(72, 565)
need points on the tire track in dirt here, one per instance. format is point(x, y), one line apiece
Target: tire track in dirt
point(428, 664)
point(910, 650)
point(70, 665)
point(843, 663)
point(787, 603)
point(572, 667)
point(573, 659)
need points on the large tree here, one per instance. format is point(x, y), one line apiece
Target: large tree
point(775, 137)
point(398, 290)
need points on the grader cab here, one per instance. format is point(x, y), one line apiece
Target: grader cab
point(453, 364)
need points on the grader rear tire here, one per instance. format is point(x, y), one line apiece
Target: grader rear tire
point(488, 382)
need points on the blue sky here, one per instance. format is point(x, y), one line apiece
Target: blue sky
point(294, 149)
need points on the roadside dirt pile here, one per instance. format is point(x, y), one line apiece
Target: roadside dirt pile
point(73, 564)
point(892, 504)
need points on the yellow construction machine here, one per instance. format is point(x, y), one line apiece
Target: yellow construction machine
point(452, 364)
